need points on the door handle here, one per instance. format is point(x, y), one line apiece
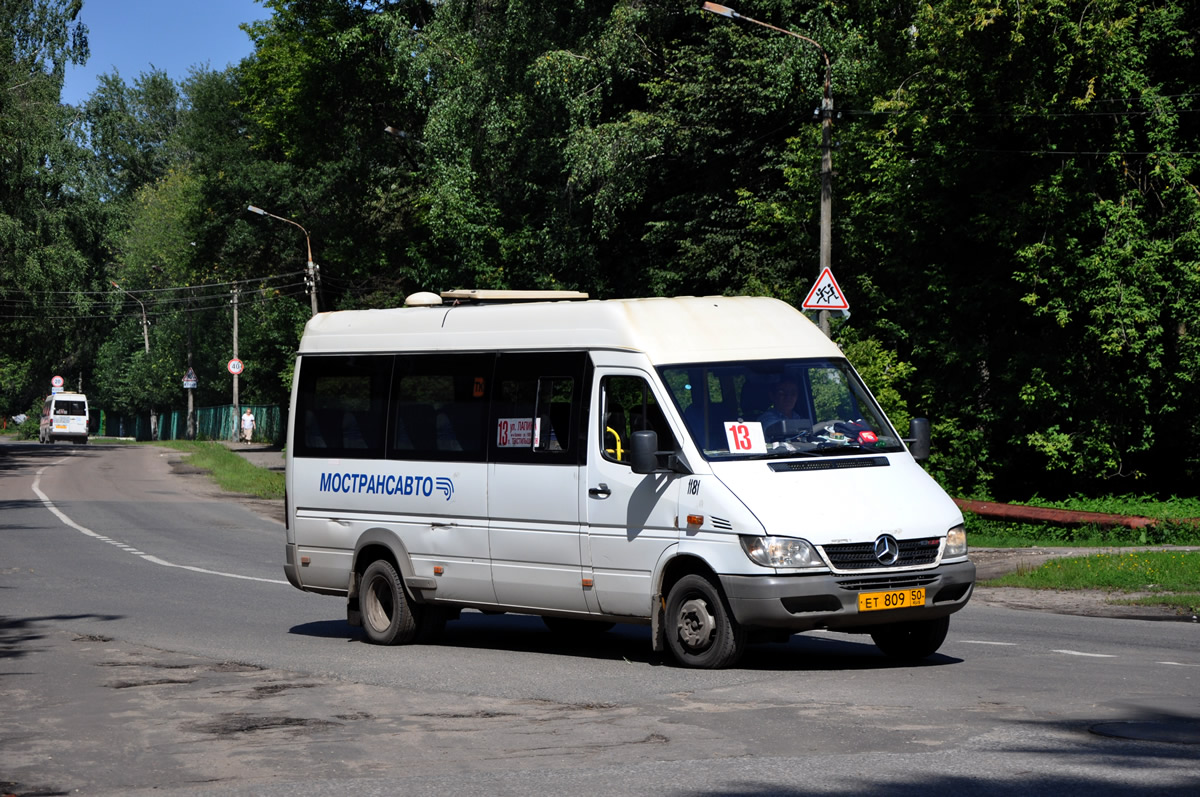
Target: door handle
point(600, 492)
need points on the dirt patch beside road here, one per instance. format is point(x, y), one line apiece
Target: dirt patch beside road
point(995, 562)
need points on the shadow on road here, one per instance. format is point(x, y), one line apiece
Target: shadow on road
point(520, 633)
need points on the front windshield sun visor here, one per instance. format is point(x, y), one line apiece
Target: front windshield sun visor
point(779, 408)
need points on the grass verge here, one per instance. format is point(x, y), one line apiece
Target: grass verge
point(1147, 578)
point(230, 471)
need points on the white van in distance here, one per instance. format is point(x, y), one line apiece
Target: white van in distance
point(64, 417)
point(712, 467)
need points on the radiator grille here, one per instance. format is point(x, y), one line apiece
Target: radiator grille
point(887, 582)
point(861, 555)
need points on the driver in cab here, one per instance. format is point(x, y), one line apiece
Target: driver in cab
point(782, 421)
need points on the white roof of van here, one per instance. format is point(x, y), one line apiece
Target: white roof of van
point(668, 330)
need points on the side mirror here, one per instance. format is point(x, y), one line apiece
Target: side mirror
point(643, 446)
point(918, 438)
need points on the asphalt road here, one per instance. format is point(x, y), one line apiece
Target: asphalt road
point(149, 643)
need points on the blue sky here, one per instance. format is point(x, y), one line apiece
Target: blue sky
point(173, 35)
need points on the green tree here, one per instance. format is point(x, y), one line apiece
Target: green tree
point(45, 276)
point(1029, 178)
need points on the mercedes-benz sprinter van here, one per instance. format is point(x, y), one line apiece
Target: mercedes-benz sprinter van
point(712, 467)
point(64, 417)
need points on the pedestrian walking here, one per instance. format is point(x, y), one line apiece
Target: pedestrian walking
point(247, 426)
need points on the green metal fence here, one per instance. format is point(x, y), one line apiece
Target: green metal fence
point(212, 423)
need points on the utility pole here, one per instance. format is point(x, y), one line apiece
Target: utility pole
point(191, 416)
point(236, 414)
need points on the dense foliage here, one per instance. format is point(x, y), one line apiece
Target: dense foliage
point(1016, 200)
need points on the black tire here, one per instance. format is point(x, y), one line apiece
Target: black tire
point(387, 616)
point(575, 627)
point(700, 629)
point(911, 641)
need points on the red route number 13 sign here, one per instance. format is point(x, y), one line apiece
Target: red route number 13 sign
point(745, 437)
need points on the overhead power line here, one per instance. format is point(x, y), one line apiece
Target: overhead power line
point(54, 305)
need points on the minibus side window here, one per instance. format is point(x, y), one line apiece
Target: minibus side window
point(341, 406)
point(627, 406)
point(439, 407)
point(537, 409)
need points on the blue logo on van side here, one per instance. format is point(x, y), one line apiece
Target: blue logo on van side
point(372, 484)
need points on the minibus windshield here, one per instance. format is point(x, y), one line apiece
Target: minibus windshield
point(778, 408)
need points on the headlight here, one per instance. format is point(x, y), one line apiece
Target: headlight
point(780, 552)
point(956, 542)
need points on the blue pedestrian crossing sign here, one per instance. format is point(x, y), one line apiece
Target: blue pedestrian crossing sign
point(826, 294)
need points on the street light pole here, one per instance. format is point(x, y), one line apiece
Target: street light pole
point(826, 253)
point(146, 340)
point(312, 267)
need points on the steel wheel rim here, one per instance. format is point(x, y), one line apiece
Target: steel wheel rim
point(695, 624)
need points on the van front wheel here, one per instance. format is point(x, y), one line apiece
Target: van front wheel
point(701, 631)
point(387, 616)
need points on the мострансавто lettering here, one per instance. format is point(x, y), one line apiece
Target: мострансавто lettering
point(370, 483)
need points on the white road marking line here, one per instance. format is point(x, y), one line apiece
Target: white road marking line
point(985, 642)
point(123, 546)
point(1089, 655)
point(1176, 664)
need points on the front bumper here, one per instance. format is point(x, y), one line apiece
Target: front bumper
point(804, 602)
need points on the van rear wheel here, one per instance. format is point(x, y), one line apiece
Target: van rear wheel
point(387, 615)
point(911, 641)
point(701, 631)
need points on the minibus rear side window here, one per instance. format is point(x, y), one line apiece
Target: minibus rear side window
point(439, 407)
point(341, 406)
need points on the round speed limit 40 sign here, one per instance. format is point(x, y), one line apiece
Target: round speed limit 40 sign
point(235, 366)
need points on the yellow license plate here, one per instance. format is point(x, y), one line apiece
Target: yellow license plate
point(894, 599)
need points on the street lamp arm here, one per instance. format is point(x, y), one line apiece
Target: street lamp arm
point(131, 296)
point(145, 321)
point(312, 267)
point(726, 11)
point(262, 212)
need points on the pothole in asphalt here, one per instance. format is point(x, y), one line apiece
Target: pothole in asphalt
point(231, 724)
point(1173, 732)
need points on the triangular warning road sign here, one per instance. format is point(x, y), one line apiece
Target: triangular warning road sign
point(826, 294)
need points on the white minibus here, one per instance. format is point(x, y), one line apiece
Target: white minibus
point(712, 467)
point(64, 417)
